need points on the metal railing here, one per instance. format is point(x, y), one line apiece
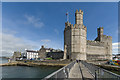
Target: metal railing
point(61, 73)
point(99, 73)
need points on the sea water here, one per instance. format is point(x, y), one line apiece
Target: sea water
point(27, 72)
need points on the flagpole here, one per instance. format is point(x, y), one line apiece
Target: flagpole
point(67, 17)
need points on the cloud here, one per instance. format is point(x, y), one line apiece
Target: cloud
point(116, 47)
point(45, 40)
point(56, 31)
point(32, 20)
point(8, 31)
point(11, 43)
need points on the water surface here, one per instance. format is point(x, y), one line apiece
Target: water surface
point(3, 60)
point(25, 71)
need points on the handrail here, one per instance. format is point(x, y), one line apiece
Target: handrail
point(100, 72)
point(60, 70)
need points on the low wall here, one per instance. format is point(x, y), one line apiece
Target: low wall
point(37, 63)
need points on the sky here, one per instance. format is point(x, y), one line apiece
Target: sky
point(28, 25)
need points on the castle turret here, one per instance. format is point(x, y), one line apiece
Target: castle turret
point(79, 17)
point(107, 41)
point(100, 33)
point(75, 38)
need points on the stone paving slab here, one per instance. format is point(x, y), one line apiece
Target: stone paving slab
point(79, 70)
point(75, 72)
point(85, 72)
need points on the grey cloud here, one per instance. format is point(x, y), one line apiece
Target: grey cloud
point(10, 43)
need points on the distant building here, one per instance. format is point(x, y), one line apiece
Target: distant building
point(16, 56)
point(23, 55)
point(116, 57)
point(55, 55)
point(42, 52)
point(49, 52)
point(31, 54)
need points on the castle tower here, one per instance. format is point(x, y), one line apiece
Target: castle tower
point(107, 42)
point(100, 33)
point(75, 38)
point(79, 17)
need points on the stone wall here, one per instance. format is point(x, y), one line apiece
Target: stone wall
point(42, 53)
point(55, 55)
point(108, 42)
point(98, 50)
point(95, 52)
point(78, 42)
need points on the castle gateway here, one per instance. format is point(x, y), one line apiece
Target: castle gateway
point(76, 46)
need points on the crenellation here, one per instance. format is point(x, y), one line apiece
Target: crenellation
point(85, 28)
point(76, 11)
point(68, 26)
point(95, 43)
point(72, 26)
point(80, 11)
point(107, 37)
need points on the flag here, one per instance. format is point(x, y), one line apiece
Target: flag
point(66, 13)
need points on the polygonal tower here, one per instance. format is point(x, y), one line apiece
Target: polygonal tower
point(75, 38)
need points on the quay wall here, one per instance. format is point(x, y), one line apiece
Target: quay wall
point(40, 63)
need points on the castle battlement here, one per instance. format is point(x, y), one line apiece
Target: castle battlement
point(95, 43)
point(80, 11)
point(108, 37)
point(100, 28)
point(67, 25)
point(75, 26)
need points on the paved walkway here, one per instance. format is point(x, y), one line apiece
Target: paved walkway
point(75, 71)
point(85, 72)
point(80, 71)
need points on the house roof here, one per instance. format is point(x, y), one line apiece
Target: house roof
point(31, 51)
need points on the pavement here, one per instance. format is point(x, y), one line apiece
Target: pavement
point(86, 74)
point(79, 71)
point(75, 72)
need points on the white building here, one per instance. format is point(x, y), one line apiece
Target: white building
point(31, 54)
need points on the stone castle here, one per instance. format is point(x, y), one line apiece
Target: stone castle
point(76, 46)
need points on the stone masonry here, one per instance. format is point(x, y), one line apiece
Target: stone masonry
point(76, 46)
